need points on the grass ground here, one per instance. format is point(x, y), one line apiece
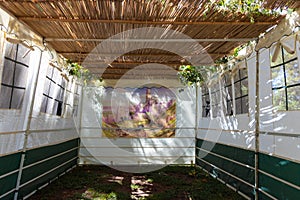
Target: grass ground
point(104, 183)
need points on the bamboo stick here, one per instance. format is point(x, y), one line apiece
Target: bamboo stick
point(122, 21)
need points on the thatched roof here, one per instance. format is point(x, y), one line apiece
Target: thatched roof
point(75, 28)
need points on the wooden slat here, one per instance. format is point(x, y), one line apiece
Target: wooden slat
point(122, 21)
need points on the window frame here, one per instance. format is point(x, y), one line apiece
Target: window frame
point(217, 104)
point(238, 83)
point(15, 61)
point(59, 111)
point(77, 92)
point(226, 87)
point(285, 85)
point(205, 105)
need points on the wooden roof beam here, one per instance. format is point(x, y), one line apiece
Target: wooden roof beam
point(124, 21)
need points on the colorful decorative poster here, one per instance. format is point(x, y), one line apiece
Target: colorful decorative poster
point(139, 113)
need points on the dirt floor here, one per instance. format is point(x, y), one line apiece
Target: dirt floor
point(169, 183)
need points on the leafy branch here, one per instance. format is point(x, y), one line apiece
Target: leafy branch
point(190, 75)
point(74, 69)
point(250, 8)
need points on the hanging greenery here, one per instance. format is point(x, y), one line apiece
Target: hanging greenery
point(250, 8)
point(76, 70)
point(190, 75)
point(238, 53)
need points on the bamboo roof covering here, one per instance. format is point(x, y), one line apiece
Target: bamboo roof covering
point(75, 27)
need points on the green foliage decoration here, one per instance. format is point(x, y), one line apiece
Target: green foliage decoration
point(190, 75)
point(250, 8)
point(76, 70)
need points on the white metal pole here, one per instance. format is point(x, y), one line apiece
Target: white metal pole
point(64, 105)
point(257, 128)
point(2, 54)
point(233, 94)
point(183, 40)
point(221, 97)
point(196, 117)
point(79, 115)
point(210, 103)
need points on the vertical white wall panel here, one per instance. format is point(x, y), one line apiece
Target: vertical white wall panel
point(288, 147)
point(11, 143)
point(96, 149)
point(265, 91)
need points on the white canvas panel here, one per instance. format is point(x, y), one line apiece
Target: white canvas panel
point(186, 107)
point(97, 132)
point(142, 161)
point(49, 122)
point(204, 122)
point(251, 64)
point(242, 139)
point(38, 139)
point(184, 133)
point(134, 152)
point(90, 132)
point(11, 120)
point(138, 142)
point(267, 143)
point(287, 122)
point(265, 91)
point(288, 147)
point(243, 122)
point(10, 143)
point(210, 123)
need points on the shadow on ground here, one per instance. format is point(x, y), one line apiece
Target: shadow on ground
point(101, 182)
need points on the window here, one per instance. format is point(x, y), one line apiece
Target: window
point(205, 101)
point(215, 100)
point(241, 91)
point(53, 94)
point(228, 94)
point(14, 76)
point(240, 101)
point(72, 93)
point(286, 82)
point(76, 99)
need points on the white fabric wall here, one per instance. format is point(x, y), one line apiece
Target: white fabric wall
point(282, 128)
point(95, 149)
point(49, 129)
point(42, 129)
point(23, 126)
point(279, 130)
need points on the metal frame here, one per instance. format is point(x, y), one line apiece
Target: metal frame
point(149, 40)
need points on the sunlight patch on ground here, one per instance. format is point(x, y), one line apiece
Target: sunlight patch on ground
point(117, 179)
point(141, 187)
point(91, 193)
